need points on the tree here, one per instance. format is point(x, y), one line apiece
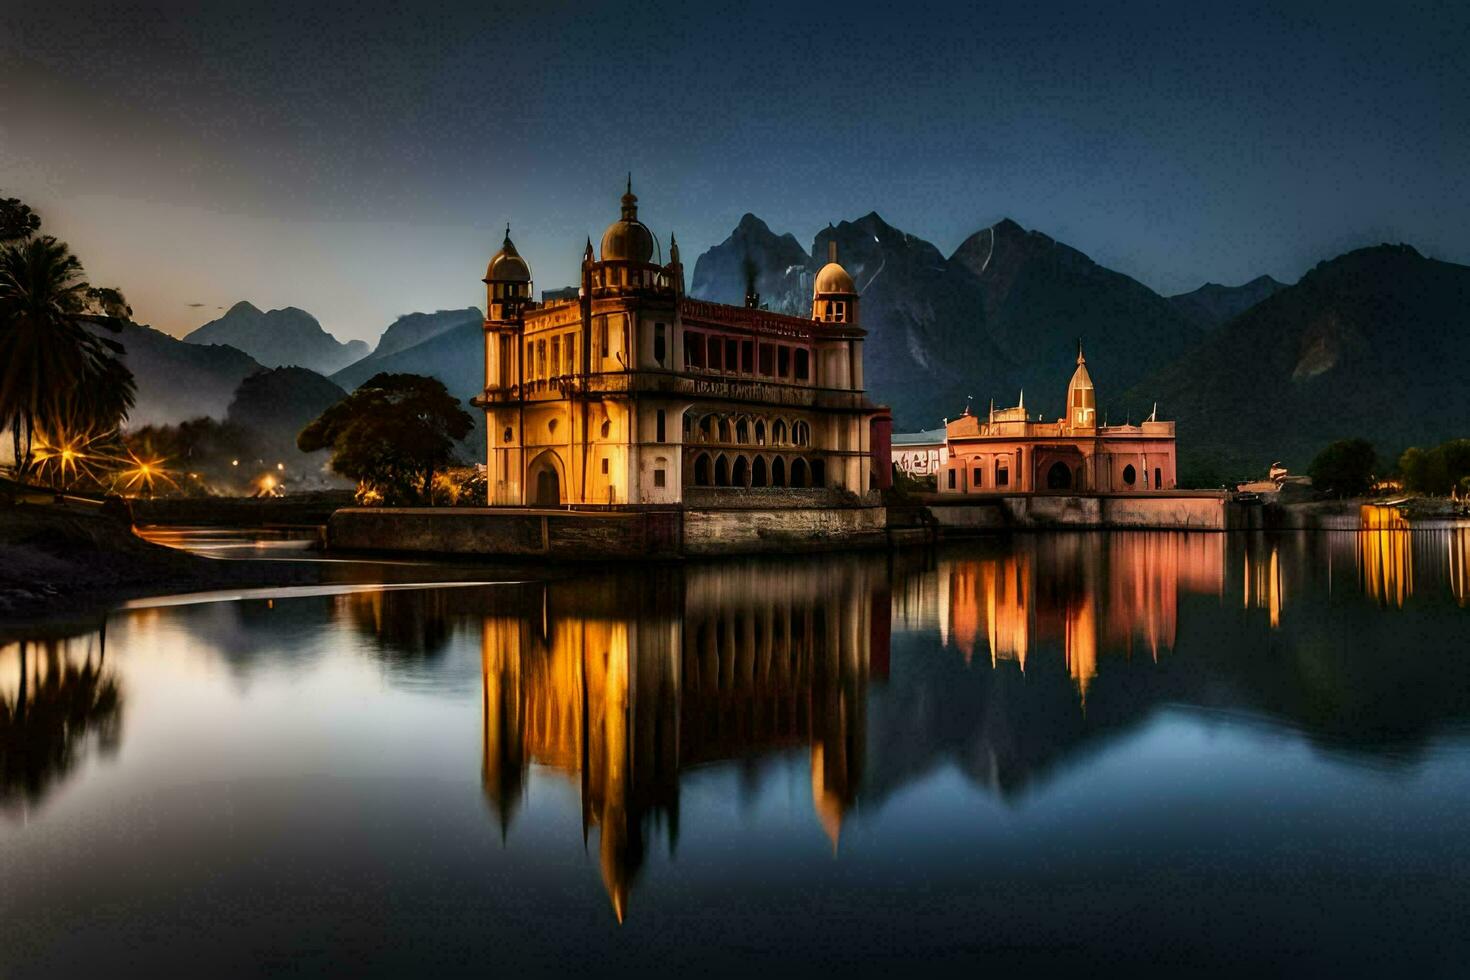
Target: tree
point(1441, 470)
point(17, 220)
point(390, 435)
point(1346, 468)
point(58, 376)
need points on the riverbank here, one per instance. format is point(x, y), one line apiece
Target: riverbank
point(60, 560)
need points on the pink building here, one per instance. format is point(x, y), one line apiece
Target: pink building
point(1007, 452)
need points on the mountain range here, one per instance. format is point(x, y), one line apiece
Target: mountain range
point(279, 338)
point(1371, 344)
point(1368, 344)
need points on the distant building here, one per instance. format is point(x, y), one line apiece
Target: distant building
point(1008, 452)
point(920, 453)
point(628, 392)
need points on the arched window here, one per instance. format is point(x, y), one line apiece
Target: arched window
point(702, 470)
point(740, 474)
point(801, 433)
point(760, 432)
point(1129, 475)
point(778, 472)
point(723, 430)
point(778, 433)
point(742, 430)
point(758, 472)
point(722, 471)
point(798, 472)
point(689, 426)
point(707, 429)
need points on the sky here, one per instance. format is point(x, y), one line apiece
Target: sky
point(361, 161)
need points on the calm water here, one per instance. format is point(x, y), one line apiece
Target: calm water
point(1157, 752)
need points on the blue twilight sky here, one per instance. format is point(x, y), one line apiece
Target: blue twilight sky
point(360, 161)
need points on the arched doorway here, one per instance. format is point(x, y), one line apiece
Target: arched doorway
point(1059, 476)
point(543, 480)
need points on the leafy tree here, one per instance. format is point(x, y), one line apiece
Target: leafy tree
point(1441, 470)
point(390, 435)
point(1346, 468)
point(58, 375)
point(17, 220)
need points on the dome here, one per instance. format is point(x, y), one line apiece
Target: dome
point(1081, 396)
point(833, 278)
point(507, 265)
point(1081, 380)
point(628, 239)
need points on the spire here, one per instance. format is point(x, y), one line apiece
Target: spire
point(587, 255)
point(507, 233)
point(1022, 403)
point(630, 201)
point(831, 249)
point(1080, 358)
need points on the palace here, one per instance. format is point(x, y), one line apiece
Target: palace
point(628, 392)
point(1008, 452)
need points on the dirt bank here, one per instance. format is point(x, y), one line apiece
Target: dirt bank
point(56, 560)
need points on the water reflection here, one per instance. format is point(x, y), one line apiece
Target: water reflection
point(1044, 644)
point(59, 701)
point(624, 683)
point(1000, 663)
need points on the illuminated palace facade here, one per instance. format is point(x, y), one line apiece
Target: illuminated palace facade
point(1008, 452)
point(631, 393)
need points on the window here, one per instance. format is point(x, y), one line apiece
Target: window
point(747, 357)
point(569, 347)
point(530, 360)
point(803, 364)
point(658, 478)
point(659, 426)
point(555, 355)
point(541, 359)
point(660, 342)
point(783, 361)
point(693, 349)
point(732, 354)
point(1129, 474)
point(1002, 476)
point(767, 360)
point(975, 477)
point(604, 466)
point(606, 428)
point(508, 434)
point(716, 354)
point(602, 336)
point(951, 479)
point(1158, 478)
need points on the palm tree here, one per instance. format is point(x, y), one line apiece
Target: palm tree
point(56, 373)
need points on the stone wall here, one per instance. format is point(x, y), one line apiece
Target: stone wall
point(723, 532)
point(1163, 511)
point(487, 532)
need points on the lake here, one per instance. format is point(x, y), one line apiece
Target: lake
point(1143, 752)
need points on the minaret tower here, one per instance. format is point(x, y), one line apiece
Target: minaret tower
point(834, 297)
point(507, 296)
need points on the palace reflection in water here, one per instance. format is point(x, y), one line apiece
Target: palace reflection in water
point(1045, 642)
point(848, 684)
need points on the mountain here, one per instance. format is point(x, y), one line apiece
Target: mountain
point(178, 380)
point(782, 268)
point(1002, 314)
point(410, 330)
point(279, 338)
point(275, 404)
point(1212, 304)
point(455, 356)
point(1370, 344)
point(1040, 298)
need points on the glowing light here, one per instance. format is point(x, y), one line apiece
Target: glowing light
point(281, 467)
point(145, 474)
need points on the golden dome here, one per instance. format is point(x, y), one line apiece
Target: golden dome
point(507, 265)
point(628, 239)
point(833, 278)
